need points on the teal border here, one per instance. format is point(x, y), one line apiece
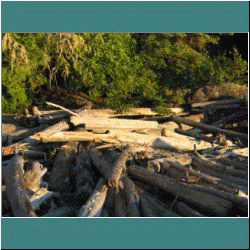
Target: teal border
point(156, 233)
point(161, 16)
point(131, 233)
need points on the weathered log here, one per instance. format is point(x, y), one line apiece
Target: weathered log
point(184, 210)
point(93, 206)
point(19, 201)
point(63, 125)
point(183, 171)
point(200, 137)
point(52, 119)
point(32, 176)
point(114, 176)
point(240, 204)
point(215, 103)
point(41, 197)
point(132, 197)
point(146, 208)
point(84, 178)
point(171, 143)
point(62, 108)
point(210, 128)
point(8, 128)
point(120, 207)
point(100, 162)
point(235, 163)
point(64, 211)
point(106, 123)
point(61, 178)
point(205, 202)
point(234, 176)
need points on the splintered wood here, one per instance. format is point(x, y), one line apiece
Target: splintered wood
point(95, 163)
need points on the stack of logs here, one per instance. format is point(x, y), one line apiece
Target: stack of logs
point(78, 165)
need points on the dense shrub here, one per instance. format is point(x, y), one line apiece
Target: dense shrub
point(114, 70)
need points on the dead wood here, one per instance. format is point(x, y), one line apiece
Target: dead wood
point(117, 169)
point(182, 171)
point(238, 164)
point(100, 162)
point(184, 210)
point(19, 201)
point(64, 211)
point(32, 176)
point(219, 170)
point(210, 128)
point(146, 208)
point(131, 196)
point(120, 207)
point(63, 125)
point(201, 201)
point(200, 137)
point(240, 204)
point(62, 108)
point(61, 178)
point(93, 206)
point(116, 137)
point(215, 103)
point(85, 181)
point(107, 124)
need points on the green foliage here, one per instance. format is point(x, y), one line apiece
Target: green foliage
point(114, 70)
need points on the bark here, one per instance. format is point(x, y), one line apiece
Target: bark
point(114, 123)
point(84, 177)
point(209, 204)
point(62, 108)
point(184, 210)
point(132, 197)
point(61, 178)
point(19, 201)
point(94, 205)
point(114, 176)
point(210, 128)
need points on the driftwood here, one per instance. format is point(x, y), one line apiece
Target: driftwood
point(19, 201)
point(227, 180)
point(107, 123)
point(235, 163)
point(132, 197)
point(84, 177)
point(184, 210)
point(180, 170)
point(64, 211)
point(62, 173)
point(100, 162)
point(221, 168)
point(200, 137)
point(93, 206)
point(210, 128)
point(171, 143)
point(32, 176)
point(240, 204)
point(62, 108)
point(215, 103)
point(205, 202)
point(120, 207)
point(63, 125)
point(117, 169)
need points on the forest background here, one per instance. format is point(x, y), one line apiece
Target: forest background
point(121, 70)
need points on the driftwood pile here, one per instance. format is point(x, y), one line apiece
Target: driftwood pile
point(94, 163)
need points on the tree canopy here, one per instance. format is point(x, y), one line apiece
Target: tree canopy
point(116, 70)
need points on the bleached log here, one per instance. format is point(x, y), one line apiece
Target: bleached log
point(171, 143)
point(93, 206)
point(62, 108)
point(210, 128)
point(106, 123)
point(202, 201)
point(19, 201)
